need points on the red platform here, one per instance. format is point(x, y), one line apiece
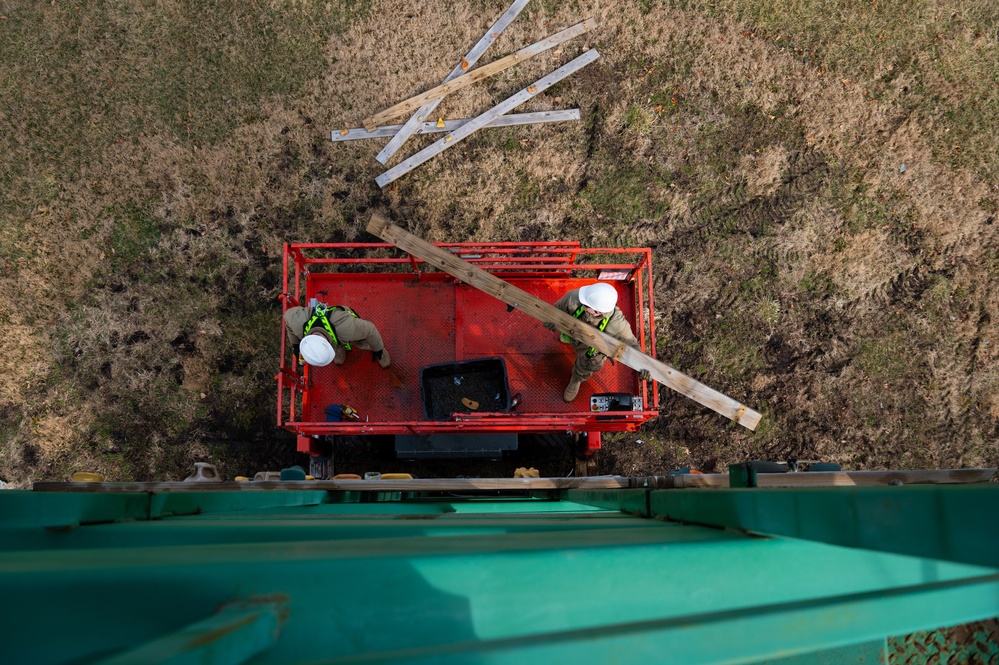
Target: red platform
point(428, 318)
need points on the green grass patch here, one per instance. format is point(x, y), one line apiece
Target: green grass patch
point(957, 43)
point(528, 192)
point(81, 77)
point(885, 357)
point(732, 346)
point(735, 356)
point(132, 235)
point(817, 285)
point(622, 192)
point(637, 119)
point(16, 246)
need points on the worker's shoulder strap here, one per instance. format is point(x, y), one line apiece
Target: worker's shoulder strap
point(603, 322)
point(344, 308)
point(319, 316)
point(600, 326)
point(319, 313)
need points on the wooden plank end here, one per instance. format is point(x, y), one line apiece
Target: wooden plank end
point(377, 225)
point(749, 419)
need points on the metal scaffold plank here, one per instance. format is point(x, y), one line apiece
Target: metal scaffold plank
point(479, 74)
point(511, 120)
point(412, 125)
point(477, 123)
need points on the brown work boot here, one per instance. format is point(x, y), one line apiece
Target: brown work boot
point(383, 358)
point(339, 355)
point(572, 389)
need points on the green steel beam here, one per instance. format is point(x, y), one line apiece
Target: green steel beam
point(520, 506)
point(24, 508)
point(954, 523)
point(874, 652)
point(632, 502)
point(494, 584)
point(164, 504)
point(537, 590)
point(66, 510)
point(253, 529)
point(238, 632)
point(726, 637)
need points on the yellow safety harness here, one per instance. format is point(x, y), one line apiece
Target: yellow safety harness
point(603, 324)
point(319, 315)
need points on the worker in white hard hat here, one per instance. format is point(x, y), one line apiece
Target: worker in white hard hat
point(322, 335)
point(595, 304)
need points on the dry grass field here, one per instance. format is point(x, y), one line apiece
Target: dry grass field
point(819, 180)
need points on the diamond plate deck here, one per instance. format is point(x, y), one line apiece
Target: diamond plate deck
point(427, 319)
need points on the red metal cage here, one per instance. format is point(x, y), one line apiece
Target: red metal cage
point(427, 317)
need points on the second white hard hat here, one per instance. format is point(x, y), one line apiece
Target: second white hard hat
point(600, 296)
point(316, 350)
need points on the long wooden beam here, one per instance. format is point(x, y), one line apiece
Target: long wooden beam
point(413, 103)
point(508, 120)
point(481, 121)
point(565, 323)
point(412, 126)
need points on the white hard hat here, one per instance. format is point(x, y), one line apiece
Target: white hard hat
point(316, 350)
point(600, 296)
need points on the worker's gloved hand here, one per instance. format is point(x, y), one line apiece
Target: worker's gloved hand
point(295, 354)
point(551, 326)
point(376, 356)
point(645, 375)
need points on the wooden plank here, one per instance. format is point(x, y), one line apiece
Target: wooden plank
point(509, 120)
point(509, 104)
point(415, 485)
point(412, 126)
point(409, 105)
point(689, 480)
point(842, 478)
point(565, 323)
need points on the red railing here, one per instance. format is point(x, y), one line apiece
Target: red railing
point(508, 259)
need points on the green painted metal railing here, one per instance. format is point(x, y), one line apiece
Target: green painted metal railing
point(295, 576)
